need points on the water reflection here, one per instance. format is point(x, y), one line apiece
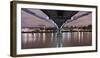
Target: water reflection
point(77, 38)
point(51, 39)
point(38, 40)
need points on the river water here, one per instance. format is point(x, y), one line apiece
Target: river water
point(52, 40)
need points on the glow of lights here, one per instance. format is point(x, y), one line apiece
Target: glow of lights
point(44, 38)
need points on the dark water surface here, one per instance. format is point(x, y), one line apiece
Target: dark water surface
point(54, 40)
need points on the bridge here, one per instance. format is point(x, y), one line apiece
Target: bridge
point(56, 17)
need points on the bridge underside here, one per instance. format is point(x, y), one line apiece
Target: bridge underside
point(60, 16)
point(54, 18)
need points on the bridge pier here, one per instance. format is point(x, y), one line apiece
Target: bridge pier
point(59, 38)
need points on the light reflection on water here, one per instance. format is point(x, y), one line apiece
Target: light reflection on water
point(49, 40)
